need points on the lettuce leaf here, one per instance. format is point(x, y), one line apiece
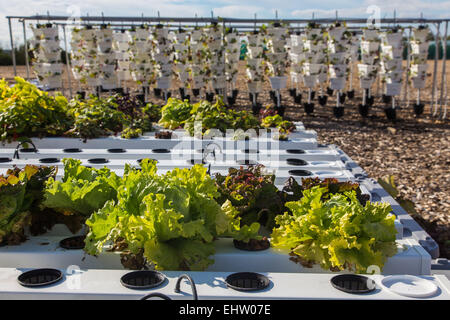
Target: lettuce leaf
point(82, 190)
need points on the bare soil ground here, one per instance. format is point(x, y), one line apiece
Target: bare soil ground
point(416, 150)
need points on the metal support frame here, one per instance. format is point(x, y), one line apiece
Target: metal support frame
point(68, 64)
point(26, 49)
point(443, 76)
point(13, 53)
point(436, 59)
point(245, 24)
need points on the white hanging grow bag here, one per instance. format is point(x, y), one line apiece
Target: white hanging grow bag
point(278, 45)
point(183, 76)
point(337, 83)
point(367, 70)
point(336, 47)
point(336, 33)
point(296, 49)
point(254, 86)
point(164, 82)
point(123, 65)
point(295, 77)
point(196, 35)
point(51, 68)
point(419, 69)
point(370, 34)
point(109, 83)
point(419, 47)
point(120, 37)
point(391, 52)
point(198, 81)
point(393, 39)
point(369, 59)
point(49, 57)
point(296, 58)
point(254, 52)
point(296, 41)
point(312, 34)
point(366, 83)
point(392, 65)
point(337, 58)
point(108, 68)
point(393, 76)
point(313, 46)
point(315, 58)
point(219, 82)
point(421, 35)
point(337, 70)
point(393, 89)
point(278, 83)
point(104, 46)
point(418, 82)
point(53, 82)
point(215, 45)
point(312, 68)
point(322, 77)
point(369, 47)
point(124, 75)
point(254, 74)
point(419, 58)
point(93, 81)
point(277, 32)
point(310, 81)
point(297, 68)
point(50, 33)
point(253, 40)
point(181, 37)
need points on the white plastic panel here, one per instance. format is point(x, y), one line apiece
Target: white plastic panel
point(105, 284)
point(44, 252)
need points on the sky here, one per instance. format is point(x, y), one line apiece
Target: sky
point(224, 8)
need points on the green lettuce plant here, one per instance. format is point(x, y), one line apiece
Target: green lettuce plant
point(171, 219)
point(337, 232)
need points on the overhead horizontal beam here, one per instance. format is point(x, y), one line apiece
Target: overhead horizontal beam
point(104, 19)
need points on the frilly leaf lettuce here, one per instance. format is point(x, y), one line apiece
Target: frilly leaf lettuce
point(82, 190)
point(338, 233)
point(175, 113)
point(173, 217)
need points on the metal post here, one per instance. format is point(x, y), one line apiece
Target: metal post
point(68, 65)
point(444, 62)
point(436, 58)
point(13, 53)
point(26, 49)
point(408, 65)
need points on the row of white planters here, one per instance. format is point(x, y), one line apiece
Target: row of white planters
point(410, 259)
point(95, 284)
point(391, 69)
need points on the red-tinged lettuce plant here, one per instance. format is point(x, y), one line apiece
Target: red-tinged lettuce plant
point(253, 193)
point(294, 191)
